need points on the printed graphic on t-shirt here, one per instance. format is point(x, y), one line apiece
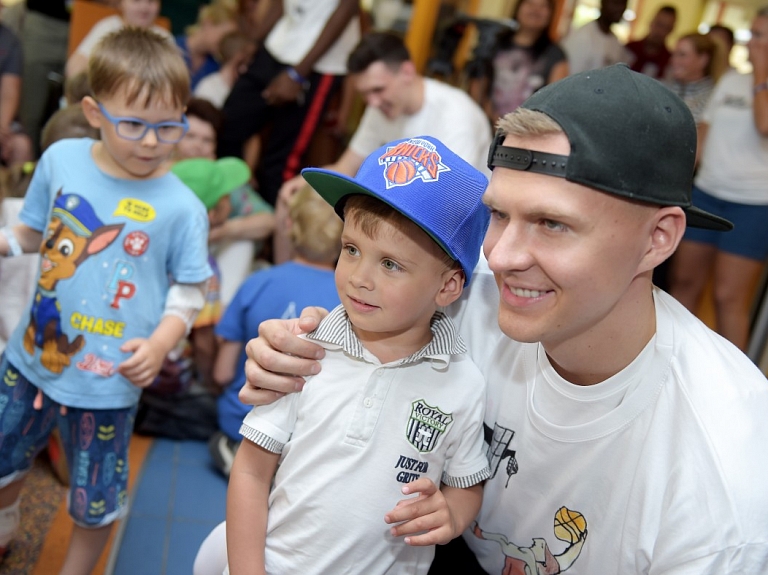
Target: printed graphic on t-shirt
point(569, 526)
point(74, 234)
point(426, 424)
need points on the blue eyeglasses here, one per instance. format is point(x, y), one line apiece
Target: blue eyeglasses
point(136, 128)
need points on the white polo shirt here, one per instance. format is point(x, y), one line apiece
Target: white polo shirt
point(360, 431)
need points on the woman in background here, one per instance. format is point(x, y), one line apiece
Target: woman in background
point(524, 60)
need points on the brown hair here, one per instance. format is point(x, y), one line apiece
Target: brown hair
point(205, 111)
point(76, 88)
point(69, 122)
point(315, 228)
point(141, 64)
point(232, 44)
point(703, 44)
point(368, 212)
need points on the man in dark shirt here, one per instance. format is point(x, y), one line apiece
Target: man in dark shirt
point(15, 146)
point(650, 54)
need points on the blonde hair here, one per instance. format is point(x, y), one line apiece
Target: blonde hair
point(528, 123)
point(232, 44)
point(140, 63)
point(217, 12)
point(368, 212)
point(315, 227)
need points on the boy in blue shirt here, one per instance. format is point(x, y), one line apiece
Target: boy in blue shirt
point(122, 276)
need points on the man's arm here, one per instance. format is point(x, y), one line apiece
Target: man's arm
point(759, 59)
point(247, 508)
point(10, 96)
point(278, 359)
point(283, 89)
point(273, 13)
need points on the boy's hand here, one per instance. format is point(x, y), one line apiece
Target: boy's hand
point(142, 367)
point(428, 512)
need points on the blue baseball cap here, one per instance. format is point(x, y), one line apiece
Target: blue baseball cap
point(426, 182)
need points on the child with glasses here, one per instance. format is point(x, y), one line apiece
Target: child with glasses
point(123, 245)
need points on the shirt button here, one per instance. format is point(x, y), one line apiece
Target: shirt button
point(367, 402)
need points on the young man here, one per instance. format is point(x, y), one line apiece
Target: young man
point(288, 83)
point(113, 228)
point(624, 436)
point(400, 104)
point(650, 55)
point(397, 408)
point(594, 45)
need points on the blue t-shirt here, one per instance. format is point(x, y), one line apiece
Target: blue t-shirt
point(111, 248)
point(278, 292)
point(210, 65)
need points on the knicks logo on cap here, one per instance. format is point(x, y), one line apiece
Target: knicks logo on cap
point(409, 160)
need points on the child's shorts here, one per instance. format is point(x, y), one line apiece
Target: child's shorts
point(95, 442)
point(749, 236)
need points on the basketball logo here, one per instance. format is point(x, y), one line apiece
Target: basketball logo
point(411, 160)
point(401, 172)
point(569, 525)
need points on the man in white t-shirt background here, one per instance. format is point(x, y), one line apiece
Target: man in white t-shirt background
point(594, 45)
point(400, 104)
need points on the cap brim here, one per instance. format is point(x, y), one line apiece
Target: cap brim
point(334, 187)
point(236, 173)
point(697, 218)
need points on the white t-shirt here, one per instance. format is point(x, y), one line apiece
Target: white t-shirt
point(659, 469)
point(734, 163)
point(588, 48)
point(357, 433)
point(213, 88)
point(298, 29)
point(104, 27)
point(448, 114)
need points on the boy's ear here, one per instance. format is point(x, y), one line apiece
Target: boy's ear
point(91, 111)
point(453, 285)
point(666, 234)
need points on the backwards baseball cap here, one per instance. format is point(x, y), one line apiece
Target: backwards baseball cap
point(629, 136)
point(426, 182)
point(211, 180)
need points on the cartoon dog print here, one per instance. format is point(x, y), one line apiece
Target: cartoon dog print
point(74, 234)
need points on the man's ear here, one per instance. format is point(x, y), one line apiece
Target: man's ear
point(453, 285)
point(666, 234)
point(408, 69)
point(91, 111)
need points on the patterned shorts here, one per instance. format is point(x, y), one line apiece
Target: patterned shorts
point(95, 442)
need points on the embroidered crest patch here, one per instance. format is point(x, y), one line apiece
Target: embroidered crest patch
point(426, 425)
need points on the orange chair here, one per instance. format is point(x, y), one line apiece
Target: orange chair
point(85, 14)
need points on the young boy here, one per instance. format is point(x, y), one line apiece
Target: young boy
point(114, 230)
point(397, 408)
point(235, 51)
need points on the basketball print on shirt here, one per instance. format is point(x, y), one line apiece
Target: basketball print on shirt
point(411, 160)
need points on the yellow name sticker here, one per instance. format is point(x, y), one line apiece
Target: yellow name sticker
point(135, 210)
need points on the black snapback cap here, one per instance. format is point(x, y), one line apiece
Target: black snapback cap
point(629, 135)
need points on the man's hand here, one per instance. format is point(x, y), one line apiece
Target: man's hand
point(142, 367)
point(428, 512)
point(282, 90)
point(278, 359)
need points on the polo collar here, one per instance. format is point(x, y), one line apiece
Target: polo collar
point(336, 330)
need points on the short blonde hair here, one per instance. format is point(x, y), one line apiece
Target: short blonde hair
point(315, 227)
point(368, 212)
point(141, 64)
point(528, 123)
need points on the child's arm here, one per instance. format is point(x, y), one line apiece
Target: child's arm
point(226, 361)
point(204, 352)
point(19, 239)
point(442, 513)
point(183, 303)
point(247, 496)
point(148, 353)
